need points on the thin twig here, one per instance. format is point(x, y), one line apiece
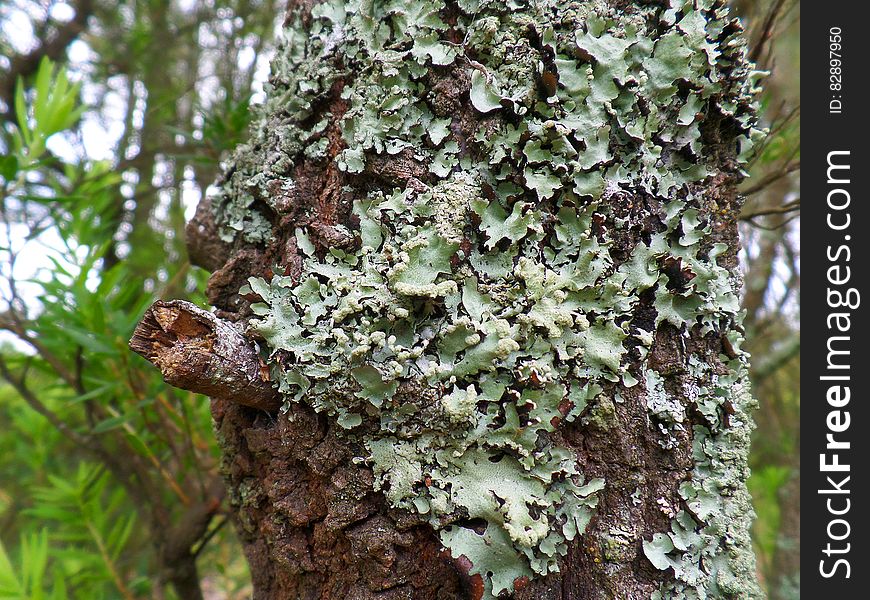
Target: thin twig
point(794, 205)
point(758, 225)
point(36, 404)
point(772, 177)
point(766, 30)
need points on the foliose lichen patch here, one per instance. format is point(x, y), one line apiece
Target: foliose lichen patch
point(486, 301)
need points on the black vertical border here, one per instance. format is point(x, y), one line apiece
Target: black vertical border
point(825, 130)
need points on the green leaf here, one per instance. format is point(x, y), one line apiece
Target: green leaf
point(138, 445)
point(10, 586)
point(8, 166)
point(107, 389)
point(110, 423)
point(89, 340)
point(21, 112)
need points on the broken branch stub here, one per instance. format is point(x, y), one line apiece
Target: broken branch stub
point(199, 352)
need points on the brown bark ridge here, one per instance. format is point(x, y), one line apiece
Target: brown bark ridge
point(339, 127)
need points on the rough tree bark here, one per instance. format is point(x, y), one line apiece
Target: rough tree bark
point(487, 254)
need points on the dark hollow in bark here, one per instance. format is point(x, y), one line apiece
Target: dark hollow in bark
point(196, 351)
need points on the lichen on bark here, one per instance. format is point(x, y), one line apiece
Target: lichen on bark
point(488, 237)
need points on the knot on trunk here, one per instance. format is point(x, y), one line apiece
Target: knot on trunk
point(199, 352)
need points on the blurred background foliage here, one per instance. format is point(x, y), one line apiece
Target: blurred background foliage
point(113, 119)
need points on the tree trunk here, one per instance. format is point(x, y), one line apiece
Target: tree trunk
point(488, 254)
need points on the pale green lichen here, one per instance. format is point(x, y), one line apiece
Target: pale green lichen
point(484, 308)
point(706, 546)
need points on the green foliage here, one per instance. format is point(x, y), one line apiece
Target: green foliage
point(765, 485)
point(26, 580)
point(90, 524)
point(53, 109)
point(224, 127)
point(101, 461)
point(74, 529)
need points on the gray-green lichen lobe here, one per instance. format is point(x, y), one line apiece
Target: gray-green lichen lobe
point(502, 232)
